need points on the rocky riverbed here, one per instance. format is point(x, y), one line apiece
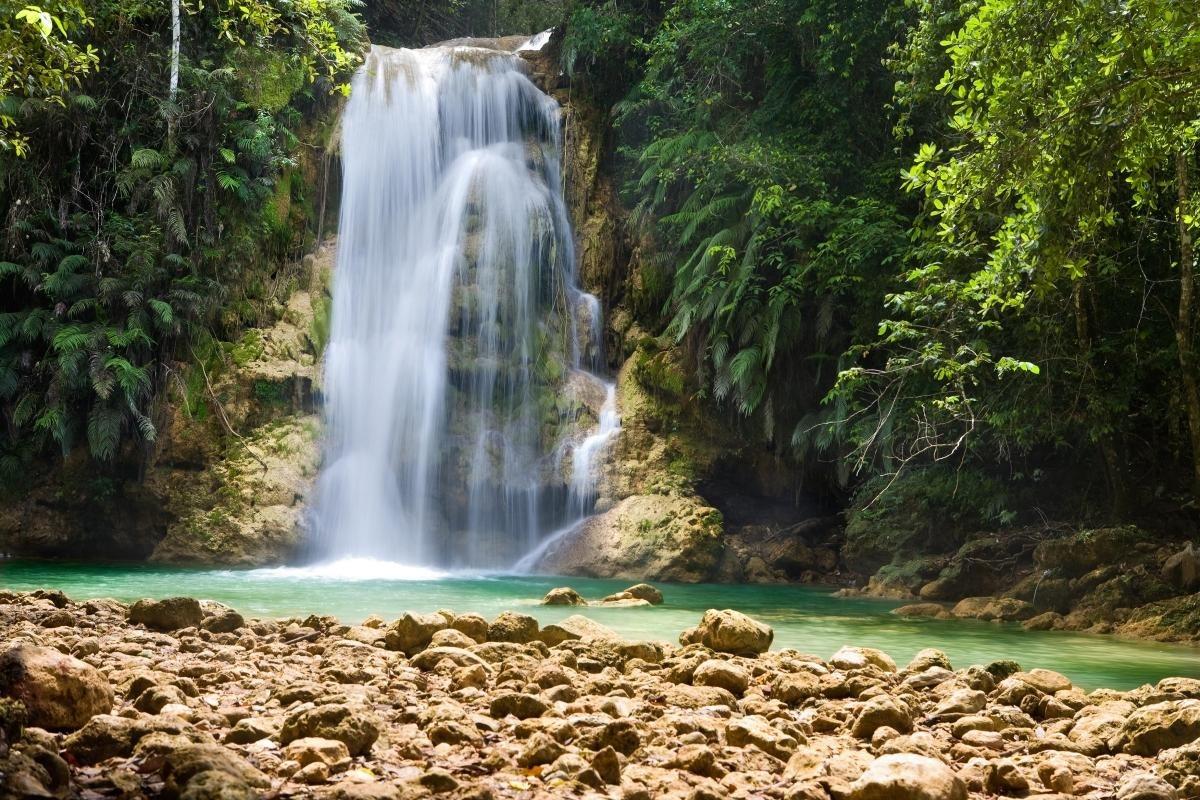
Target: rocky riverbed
point(181, 698)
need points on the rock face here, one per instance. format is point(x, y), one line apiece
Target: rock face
point(58, 692)
point(659, 537)
point(730, 631)
point(245, 507)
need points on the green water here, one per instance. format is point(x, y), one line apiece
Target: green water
point(804, 617)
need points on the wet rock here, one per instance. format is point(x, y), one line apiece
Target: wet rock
point(998, 609)
point(1045, 621)
point(170, 614)
point(640, 591)
point(58, 691)
point(921, 610)
point(356, 728)
point(907, 777)
point(513, 627)
point(563, 596)
point(729, 631)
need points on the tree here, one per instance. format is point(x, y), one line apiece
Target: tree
point(1071, 135)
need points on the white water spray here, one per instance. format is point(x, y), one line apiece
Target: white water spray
point(456, 318)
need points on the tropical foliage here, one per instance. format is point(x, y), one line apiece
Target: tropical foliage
point(134, 223)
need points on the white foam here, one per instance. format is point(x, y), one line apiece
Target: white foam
point(350, 569)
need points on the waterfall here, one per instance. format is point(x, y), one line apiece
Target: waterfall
point(457, 322)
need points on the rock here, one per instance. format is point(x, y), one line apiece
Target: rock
point(998, 609)
point(170, 614)
point(1144, 786)
point(903, 776)
point(563, 596)
point(310, 750)
point(690, 697)
point(921, 610)
point(223, 621)
point(449, 637)
point(252, 729)
point(796, 687)
point(314, 773)
point(540, 749)
point(730, 631)
point(879, 712)
point(640, 591)
point(960, 703)
point(58, 691)
point(104, 736)
point(356, 728)
point(757, 731)
point(1160, 726)
point(473, 625)
point(607, 766)
point(519, 705)
point(438, 781)
point(1046, 621)
point(929, 657)
point(576, 627)
point(716, 672)
point(513, 627)
point(859, 657)
point(412, 633)
point(206, 771)
point(1004, 778)
point(429, 658)
point(1044, 680)
point(652, 536)
point(1182, 570)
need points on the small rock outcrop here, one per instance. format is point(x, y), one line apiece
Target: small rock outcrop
point(563, 596)
point(729, 631)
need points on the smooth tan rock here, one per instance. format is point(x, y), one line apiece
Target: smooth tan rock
point(59, 692)
point(729, 631)
point(907, 777)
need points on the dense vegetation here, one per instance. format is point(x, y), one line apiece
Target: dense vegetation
point(149, 198)
point(888, 236)
point(902, 236)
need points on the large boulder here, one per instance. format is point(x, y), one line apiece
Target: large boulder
point(576, 626)
point(170, 614)
point(59, 692)
point(904, 776)
point(729, 631)
point(658, 537)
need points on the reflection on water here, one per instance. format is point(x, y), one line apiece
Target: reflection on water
point(804, 617)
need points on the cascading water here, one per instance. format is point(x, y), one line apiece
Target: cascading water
point(457, 324)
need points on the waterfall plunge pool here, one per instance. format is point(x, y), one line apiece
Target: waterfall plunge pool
point(807, 618)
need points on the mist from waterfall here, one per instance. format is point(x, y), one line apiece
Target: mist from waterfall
point(456, 322)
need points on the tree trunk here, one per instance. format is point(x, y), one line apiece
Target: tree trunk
point(1185, 325)
point(174, 50)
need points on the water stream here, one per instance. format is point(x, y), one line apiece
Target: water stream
point(457, 321)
